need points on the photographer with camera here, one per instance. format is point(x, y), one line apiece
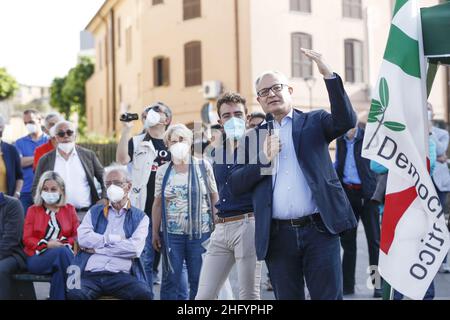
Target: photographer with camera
point(143, 154)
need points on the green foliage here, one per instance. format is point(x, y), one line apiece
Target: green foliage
point(96, 139)
point(68, 94)
point(8, 85)
point(57, 100)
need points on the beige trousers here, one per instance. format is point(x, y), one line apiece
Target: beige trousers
point(231, 243)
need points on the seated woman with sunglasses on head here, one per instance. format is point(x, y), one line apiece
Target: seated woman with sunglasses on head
point(77, 166)
point(50, 232)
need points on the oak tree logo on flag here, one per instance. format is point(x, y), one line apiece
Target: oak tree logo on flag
point(378, 109)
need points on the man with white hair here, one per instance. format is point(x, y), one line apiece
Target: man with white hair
point(49, 122)
point(112, 238)
point(76, 165)
point(300, 206)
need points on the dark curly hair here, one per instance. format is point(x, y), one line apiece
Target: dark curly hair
point(231, 97)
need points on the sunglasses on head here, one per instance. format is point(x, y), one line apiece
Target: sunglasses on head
point(62, 134)
point(158, 108)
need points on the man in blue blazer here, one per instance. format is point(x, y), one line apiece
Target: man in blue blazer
point(300, 208)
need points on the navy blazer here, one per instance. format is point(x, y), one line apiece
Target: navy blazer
point(13, 168)
point(367, 176)
point(311, 132)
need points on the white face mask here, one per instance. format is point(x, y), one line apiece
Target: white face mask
point(430, 115)
point(115, 193)
point(234, 128)
point(180, 151)
point(66, 147)
point(153, 119)
point(32, 128)
point(52, 132)
point(50, 197)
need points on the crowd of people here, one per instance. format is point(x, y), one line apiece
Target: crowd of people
point(278, 198)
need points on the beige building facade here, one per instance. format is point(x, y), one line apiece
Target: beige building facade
point(184, 52)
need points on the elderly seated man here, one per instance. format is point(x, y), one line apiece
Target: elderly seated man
point(112, 239)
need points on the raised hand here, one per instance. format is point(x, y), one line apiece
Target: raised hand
point(324, 69)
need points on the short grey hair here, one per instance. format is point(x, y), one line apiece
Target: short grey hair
point(46, 176)
point(180, 130)
point(71, 125)
point(50, 116)
point(116, 167)
point(276, 73)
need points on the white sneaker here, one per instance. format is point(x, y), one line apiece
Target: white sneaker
point(444, 268)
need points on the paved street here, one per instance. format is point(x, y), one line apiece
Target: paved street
point(442, 281)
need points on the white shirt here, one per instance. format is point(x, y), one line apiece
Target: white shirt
point(78, 192)
point(292, 197)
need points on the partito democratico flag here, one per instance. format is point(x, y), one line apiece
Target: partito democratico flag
point(414, 237)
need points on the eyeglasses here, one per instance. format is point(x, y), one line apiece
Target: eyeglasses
point(275, 88)
point(61, 134)
point(30, 122)
point(114, 182)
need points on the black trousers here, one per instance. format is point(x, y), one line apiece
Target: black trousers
point(368, 212)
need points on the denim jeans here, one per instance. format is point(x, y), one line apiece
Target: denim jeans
point(183, 251)
point(8, 266)
point(55, 262)
point(299, 254)
point(120, 285)
point(429, 295)
point(147, 257)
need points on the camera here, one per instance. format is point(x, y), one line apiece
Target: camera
point(128, 117)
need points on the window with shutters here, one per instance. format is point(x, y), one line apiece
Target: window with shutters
point(193, 64)
point(352, 9)
point(191, 9)
point(161, 72)
point(353, 61)
point(301, 65)
point(300, 5)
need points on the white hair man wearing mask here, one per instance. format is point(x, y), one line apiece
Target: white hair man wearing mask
point(144, 154)
point(112, 238)
point(77, 166)
point(49, 128)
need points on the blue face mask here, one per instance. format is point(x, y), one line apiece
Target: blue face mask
point(234, 128)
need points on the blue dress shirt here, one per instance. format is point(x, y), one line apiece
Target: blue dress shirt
point(351, 175)
point(26, 147)
point(292, 197)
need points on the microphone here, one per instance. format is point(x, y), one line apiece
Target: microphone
point(269, 120)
